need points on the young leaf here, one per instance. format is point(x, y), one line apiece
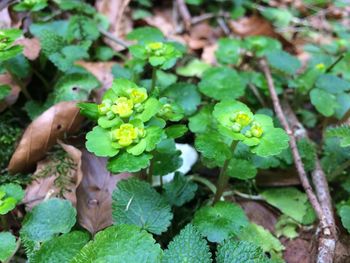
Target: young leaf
point(188, 246)
point(49, 218)
point(62, 248)
point(7, 245)
point(180, 190)
point(240, 252)
point(221, 83)
point(126, 162)
point(136, 202)
point(220, 221)
point(241, 169)
point(99, 142)
point(122, 243)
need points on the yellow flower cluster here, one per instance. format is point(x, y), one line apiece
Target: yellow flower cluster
point(241, 120)
point(127, 134)
point(155, 48)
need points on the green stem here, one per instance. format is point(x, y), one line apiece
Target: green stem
point(204, 181)
point(223, 178)
point(154, 79)
point(340, 58)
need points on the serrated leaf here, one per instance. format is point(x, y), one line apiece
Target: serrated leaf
point(49, 218)
point(189, 247)
point(289, 200)
point(127, 162)
point(166, 162)
point(99, 142)
point(212, 147)
point(82, 28)
point(341, 132)
point(180, 190)
point(50, 42)
point(122, 243)
point(324, 102)
point(228, 51)
point(241, 169)
point(195, 68)
point(62, 248)
point(283, 61)
point(65, 58)
point(240, 252)
point(221, 83)
point(136, 202)
point(220, 221)
point(7, 245)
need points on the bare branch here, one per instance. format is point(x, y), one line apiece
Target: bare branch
point(185, 14)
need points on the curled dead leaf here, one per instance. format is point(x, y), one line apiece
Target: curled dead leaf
point(94, 194)
point(43, 133)
point(6, 79)
point(49, 180)
point(31, 47)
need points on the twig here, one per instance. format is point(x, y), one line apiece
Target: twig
point(113, 38)
point(223, 26)
point(243, 195)
point(185, 14)
point(327, 240)
point(257, 94)
point(335, 62)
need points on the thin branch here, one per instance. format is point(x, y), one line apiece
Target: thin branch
point(223, 26)
point(113, 38)
point(335, 62)
point(185, 14)
point(257, 94)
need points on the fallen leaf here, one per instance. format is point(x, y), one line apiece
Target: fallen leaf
point(6, 79)
point(103, 72)
point(94, 195)
point(31, 47)
point(120, 24)
point(46, 175)
point(43, 133)
point(208, 54)
point(5, 19)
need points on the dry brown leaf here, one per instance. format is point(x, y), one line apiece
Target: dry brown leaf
point(31, 47)
point(43, 133)
point(94, 195)
point(6, 79)
point(121, 24)
point(208, 54)
point(103, 72)
point(45, 176)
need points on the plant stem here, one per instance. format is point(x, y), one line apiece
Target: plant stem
point(204, 181)
point(154, 79)
point(223, 178)
point(335, 62)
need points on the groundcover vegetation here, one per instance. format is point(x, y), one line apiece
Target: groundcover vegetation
point(174, 131)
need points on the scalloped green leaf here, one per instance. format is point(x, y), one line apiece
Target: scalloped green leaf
point(241, 169)
point(146, 34)
point(7, 245)
point(65, 58)
point(136, 202)
point(49, 218)
point(221, 221)
point(221, 83)
point(332, 84)
point(194, 68)
point(122, 243)
point(99, 142)
point(154, 135)
point(180, 190)
point(228, 51)
point(126, 162)
point(261, 45)
point(324, 102)
point(62, 248)
point(202, 120)
point(176, 131)
point(283, 61)
point(152, 106)
point(240, 252)
point(13, 190)
point(188, 246)
point(166, 162)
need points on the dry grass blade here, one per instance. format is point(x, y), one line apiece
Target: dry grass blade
point(43, 133)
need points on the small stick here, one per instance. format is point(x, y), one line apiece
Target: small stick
point(335, 63)
point(113, 38)
point(185, 14)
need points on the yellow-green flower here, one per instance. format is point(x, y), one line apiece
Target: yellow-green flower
point(126, 134)
point(138, 95)
point(123, 107)
point(155, 46)
point(242, 118)
point(256, 130)
point(320, 66)
point(104, 107)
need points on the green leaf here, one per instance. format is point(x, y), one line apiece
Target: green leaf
point(194, 68)
point(344, 213)
point(332, 84)
point(49, 218)
point(152, 106)
point(62, 248)
point(146, 34)
point(99, 142)
point(220, 221)
point(228, 51)
point(121, 72)
point(166, 162)
point(189, 247)
point(154, 135)
point(7, 245)
point(122, 243)
point(287, 227)
point(241, 169)
point(10, 52)
point(127, 162)
point(180, 190)
point(240, 252)
point(5, 90)
point(221, 83)
point(13, 190)
point(184, 94)
point(76, 86)
point(51, 42)
point(261, 237)
point(202, 120)
point(176, 131)
point(82, 28)
point(289, 200)
point(341, 132)
point(136, 202)
point(280, 17)
point(89, 110)
point(212, 147)
point(18, 66)
point(324, 102)
point(65, 59)
point(261, 45)
point(283, 61)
